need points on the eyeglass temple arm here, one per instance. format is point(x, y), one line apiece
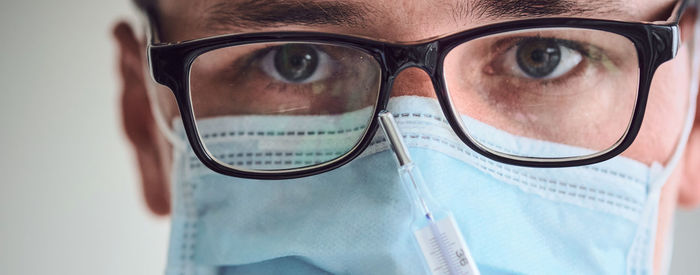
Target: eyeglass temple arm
point(672, 22)
point(679, 10)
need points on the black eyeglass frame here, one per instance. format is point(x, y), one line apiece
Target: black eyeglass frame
point(655, 43)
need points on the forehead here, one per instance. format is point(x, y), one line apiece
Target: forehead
point(397, 20)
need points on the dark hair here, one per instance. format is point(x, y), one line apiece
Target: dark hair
point(144, 5)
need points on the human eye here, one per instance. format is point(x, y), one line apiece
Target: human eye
point(542, 58)
point(297, 63)
point(268, 68)
point(538, 62)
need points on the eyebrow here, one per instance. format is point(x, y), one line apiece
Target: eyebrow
point(533, 8)
point(272, 13)
point(275, 13)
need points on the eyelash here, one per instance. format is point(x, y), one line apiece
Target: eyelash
point(249, 63)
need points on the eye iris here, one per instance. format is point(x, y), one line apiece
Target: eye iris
point(538, 58)
point(296, 62)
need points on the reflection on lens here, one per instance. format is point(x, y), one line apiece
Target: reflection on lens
point(279, 106)
point(574, 89)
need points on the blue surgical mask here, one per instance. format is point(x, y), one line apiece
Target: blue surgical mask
point(597, 219)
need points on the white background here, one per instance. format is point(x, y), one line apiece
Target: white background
point(69, 196)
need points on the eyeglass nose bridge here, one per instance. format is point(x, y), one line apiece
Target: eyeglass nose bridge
point(423, 56)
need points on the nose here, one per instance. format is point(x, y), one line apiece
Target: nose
point(413, 81)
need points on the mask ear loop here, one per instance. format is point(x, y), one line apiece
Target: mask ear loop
point(690, 115)
point(175, 140)
point(690, 119)
point(692, 97)
point(157, 112)
point(660, 174)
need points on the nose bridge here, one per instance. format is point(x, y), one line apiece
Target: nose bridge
point(423, 56)
point(412, 69)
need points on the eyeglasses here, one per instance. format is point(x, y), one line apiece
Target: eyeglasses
point(578, 85)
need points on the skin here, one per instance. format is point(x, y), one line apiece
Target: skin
point(411, 21)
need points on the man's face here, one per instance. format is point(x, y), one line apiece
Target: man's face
point(410, 21)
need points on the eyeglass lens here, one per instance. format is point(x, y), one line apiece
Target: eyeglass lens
point(276, 106)
point(545, 93)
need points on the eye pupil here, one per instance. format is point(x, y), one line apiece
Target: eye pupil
point(538, 57)
point(296, 62)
